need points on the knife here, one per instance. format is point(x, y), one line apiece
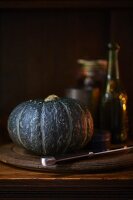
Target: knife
point(50, 160)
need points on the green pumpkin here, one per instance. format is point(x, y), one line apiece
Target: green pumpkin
point(51, 126)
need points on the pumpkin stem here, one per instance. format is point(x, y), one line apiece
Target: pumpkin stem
point(51, 97)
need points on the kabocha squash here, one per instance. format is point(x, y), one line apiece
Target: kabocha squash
point(51, 126)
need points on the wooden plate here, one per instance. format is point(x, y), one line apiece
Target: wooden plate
point(19, 157)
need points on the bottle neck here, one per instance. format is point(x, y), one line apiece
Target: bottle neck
point(113, 68)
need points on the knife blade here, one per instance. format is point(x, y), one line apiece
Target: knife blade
point(51, 160)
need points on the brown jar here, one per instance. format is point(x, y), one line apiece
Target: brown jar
point(90, 80)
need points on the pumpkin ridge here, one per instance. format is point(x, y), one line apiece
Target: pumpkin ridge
point(18, 126)
point(56, 121)
point(86, 122)
point(42, 130)
point(31, 128)
point(70, 124)
point(90, 124)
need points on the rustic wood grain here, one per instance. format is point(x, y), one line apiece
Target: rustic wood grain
point(18, 183)
point(19, 157)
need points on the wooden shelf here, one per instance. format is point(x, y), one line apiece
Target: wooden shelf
point(17, 183)
point(21, 183)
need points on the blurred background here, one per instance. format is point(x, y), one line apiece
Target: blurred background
point(41, 41)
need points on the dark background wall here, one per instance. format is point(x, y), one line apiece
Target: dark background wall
point(40, 42)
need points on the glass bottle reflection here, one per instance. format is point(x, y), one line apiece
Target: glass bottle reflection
point(113, 113)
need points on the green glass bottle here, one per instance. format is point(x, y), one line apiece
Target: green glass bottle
point(113, 115)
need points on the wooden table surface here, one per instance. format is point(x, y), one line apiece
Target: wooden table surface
point(17, 183)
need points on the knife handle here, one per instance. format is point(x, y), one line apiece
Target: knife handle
point(48, 161)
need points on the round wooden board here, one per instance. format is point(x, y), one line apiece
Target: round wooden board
point(19, 157)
